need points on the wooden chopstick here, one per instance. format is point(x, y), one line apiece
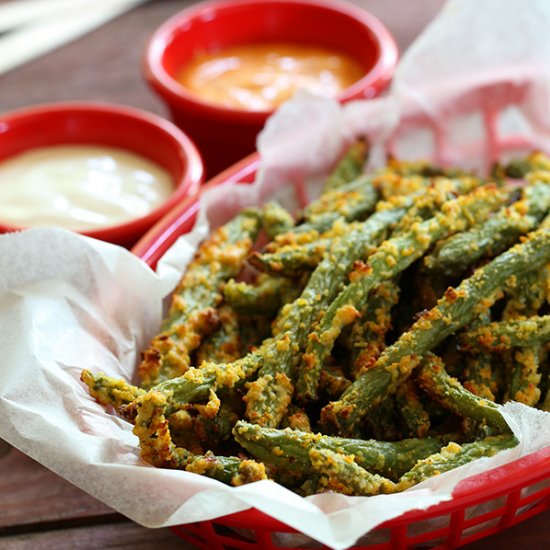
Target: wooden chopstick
point(63, 22)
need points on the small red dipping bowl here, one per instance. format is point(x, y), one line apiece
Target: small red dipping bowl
point(102, 124)
point(225, 135)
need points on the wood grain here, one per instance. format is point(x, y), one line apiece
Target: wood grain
point(31, 496)
point(38, 509)
point(120, 536)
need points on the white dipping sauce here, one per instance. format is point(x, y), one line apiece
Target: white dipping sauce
point(79, 187)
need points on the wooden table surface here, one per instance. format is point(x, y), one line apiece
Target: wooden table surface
point(38, 509)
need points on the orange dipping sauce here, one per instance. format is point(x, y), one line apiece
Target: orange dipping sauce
point(259, 77)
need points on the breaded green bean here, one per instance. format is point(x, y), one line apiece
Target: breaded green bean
point(519, 168)
point(192, 314)
point(426, 204)
point(452, 395)
point(353, 201)
point(308, 231)
point(340, 473)
point(276, 220)
point(333, 381)
point(288, 450)
point(110, 391)
point(195, 385)
point(227, 469)
point(479, 377)
point(454, 310)
point(264, 298)
point(403, 178)
point(494, 235)
point(382, 422)
point(411, 410)
point(223, 346)
point(296, 258)
point(487, 239)
point(525, 297)
point(368, 334)
point(524, 377)
point(452, 456)
point(296, 419)
point(268, 396)
point(391, 258)
point(503, 335)
point(157, 448)
point(349, 166)
point(291, 260)
point(323, 227)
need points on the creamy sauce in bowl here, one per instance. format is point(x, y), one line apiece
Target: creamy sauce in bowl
point(259, 77)
point(80, 187)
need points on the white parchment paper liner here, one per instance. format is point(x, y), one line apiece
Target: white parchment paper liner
point(68, 302)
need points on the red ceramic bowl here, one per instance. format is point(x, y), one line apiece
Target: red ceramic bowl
point(137, 131)
point(225, 135)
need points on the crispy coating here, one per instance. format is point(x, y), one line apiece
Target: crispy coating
point(223, 346)
point(291, 260)
point(276, 220)
point(349, 166)
point(110, 391)
point(343, 301)
point(526, 298)
point(292, 325)
point(454, 455)
point(503, 335)
point(525, 376)
point(391, 258)
point(450, 393)
point(158, 449)
point(494, 235)
point(288, 450)
point(264, 298)
point(193, 313)
point(436, 193)
point(369, 333)
point(479, 376)
point(352, 201)
point(340, 473)
point(454, 310)
point(296, 419)
point(413, 414)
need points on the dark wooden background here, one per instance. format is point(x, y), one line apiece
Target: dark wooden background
point(38, 509)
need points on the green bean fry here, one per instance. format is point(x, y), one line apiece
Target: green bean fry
point(360, 345)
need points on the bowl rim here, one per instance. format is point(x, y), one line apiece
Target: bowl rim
point(175, 94)
point(155, 242)
point(188, 183)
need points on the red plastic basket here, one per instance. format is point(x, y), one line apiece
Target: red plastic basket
point(509, 494)
point(481, 505)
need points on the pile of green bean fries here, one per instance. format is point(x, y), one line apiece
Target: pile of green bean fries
point(382, 326)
